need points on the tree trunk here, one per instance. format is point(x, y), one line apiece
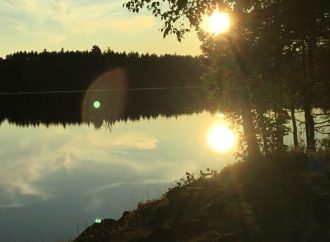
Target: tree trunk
point(246, 111)
point(309, 119)
point(248, 125)
point(250, 133)
point(309, 82)
point(294, 128)
point(308, 68)
point(310, 128)
point(263, 132)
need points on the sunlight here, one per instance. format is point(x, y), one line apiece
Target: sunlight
point(221, 138)
point(219, 22)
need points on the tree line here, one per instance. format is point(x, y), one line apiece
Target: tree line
point(76, 70)
point(61, 86)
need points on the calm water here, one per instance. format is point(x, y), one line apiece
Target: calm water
point(55, 181)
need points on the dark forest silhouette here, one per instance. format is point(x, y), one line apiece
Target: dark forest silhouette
point(60, 87)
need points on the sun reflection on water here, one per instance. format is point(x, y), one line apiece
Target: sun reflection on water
point(221, 138)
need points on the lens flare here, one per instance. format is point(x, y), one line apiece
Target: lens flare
point(98, 220)
point(96, 104)
point(102, 100)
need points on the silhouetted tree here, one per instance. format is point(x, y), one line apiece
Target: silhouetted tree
point(277, 47)
point(175, 16)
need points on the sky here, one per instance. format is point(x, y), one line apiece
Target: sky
point(80, 24)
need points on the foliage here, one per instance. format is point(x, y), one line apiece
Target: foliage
point(191, 178)
point(283, 198)
point(178, 16)
point(325, 144)
point(274, 58)
point(271, 128)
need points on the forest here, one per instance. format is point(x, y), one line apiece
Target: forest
point(60, 87)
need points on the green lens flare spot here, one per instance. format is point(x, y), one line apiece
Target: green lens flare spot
point(96, 104)
point(98, 220)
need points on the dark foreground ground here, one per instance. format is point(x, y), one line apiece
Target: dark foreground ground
point(282, 197)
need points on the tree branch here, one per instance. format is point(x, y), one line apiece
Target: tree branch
point(299, 121)
point(321, 132)
point(321, 114)
point(322, 126)
point(323, 122)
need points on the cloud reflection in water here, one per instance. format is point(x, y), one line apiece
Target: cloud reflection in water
point(90, 172)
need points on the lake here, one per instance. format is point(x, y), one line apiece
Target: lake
point(55, 180)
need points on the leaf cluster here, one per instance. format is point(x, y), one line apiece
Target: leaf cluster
point(178, 16)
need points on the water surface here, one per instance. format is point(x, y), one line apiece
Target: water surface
point(55, 180)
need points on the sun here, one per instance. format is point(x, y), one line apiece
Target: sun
point(219, 22)
point(221, 138)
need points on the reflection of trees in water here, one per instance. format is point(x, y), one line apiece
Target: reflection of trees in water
point(61, 87)
point(77, 108)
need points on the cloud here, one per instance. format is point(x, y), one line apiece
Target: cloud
point(30, 156)
point(58, 20)
point(33, 161)
point(94, 204)
point(27, 161)
point(134, 24)
point(103, 188)
point(21, 183)
point(155, 181)
point(135, 140)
